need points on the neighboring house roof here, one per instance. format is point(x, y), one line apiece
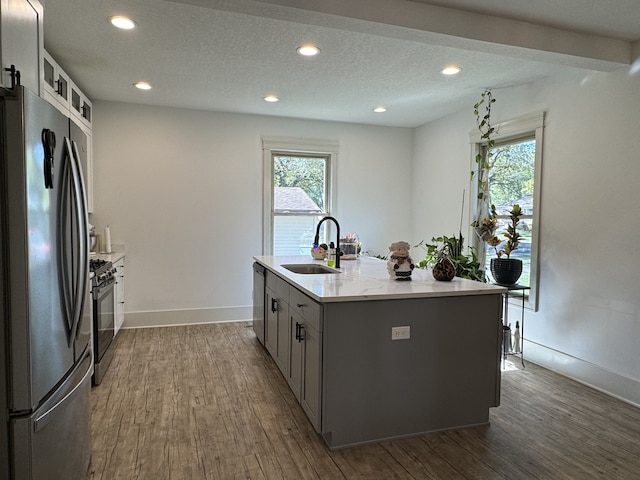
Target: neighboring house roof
point(293, 199)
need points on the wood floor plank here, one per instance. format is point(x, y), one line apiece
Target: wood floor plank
point(206, 402)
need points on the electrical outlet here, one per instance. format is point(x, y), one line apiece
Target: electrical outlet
point(400, 333)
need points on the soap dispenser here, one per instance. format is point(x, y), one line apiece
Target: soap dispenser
point(331, 259)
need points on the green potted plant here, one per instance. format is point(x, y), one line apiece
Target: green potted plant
point(507, 270)
point(444, 251)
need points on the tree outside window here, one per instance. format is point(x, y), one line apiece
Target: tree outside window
point(299, 201)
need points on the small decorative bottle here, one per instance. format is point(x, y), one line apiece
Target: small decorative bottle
point(516, 338)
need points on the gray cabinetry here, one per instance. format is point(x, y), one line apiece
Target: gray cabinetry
point(277, 321)
point(21, 42)
point(293, 326)
point(296, 336)
point(305, 353)
point(358, 381)
point(312, 376)
point(445, 375)
point(258, 301)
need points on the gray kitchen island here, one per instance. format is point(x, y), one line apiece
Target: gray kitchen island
point(370, 358)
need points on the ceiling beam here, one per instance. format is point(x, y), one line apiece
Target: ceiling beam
point(407, 20)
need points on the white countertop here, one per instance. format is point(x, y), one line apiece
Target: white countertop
point(112, 257)
point(366, 278)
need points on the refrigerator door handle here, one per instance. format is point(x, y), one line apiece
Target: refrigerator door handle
point(83, 238)
point(65, 263)
point(80, 241)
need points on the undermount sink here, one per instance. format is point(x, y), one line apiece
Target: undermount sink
point(309, 268)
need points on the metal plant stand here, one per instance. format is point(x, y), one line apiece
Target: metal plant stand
point(506, 338)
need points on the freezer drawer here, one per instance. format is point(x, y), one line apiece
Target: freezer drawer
point(55, 442)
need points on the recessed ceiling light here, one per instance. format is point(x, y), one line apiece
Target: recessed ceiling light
point(271, 98)
point(122, 22)
point(308, 50)
point(142, 85)
point(380, 109)
point(451, 70)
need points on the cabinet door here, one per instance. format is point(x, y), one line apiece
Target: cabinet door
point(306, 353)
point(276, 331)
point(311, 375)
point(62, 89)
point(20, 41)
point(282, 357)
point(119, 295)
point(49, 79)
point(271, 322)
point(296, 340)
point(80, 106)
point(55, 83)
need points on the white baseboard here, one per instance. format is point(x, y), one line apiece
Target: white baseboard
point(618, 386)
point(169, 318)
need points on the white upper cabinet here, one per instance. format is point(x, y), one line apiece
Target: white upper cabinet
point(21, 43)
point(56, 87)
point(80, 106)
point(61, 91)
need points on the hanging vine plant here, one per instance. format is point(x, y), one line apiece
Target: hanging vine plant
point(486, 131)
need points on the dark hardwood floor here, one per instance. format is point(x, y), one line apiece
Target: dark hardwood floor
point(207, 402)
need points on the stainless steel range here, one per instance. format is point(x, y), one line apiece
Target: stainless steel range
point(102, 293)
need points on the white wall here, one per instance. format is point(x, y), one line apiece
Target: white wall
point(441, 170)
point(588, 323)
point(182, 190)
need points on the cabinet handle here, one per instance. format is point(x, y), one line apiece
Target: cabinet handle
point(15, 76)
point(274, 304)
point(299, 328)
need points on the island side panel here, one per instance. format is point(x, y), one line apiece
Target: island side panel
point(446, 375)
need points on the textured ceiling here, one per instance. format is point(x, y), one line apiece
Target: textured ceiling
point(225, 55)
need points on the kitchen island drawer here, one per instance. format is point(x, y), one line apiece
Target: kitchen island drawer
point(306, 307)
point(279, 286)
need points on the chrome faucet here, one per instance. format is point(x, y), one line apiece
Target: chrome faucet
point(317, 238)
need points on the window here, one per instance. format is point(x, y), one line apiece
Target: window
point(298, 179)
point(515, 163)
point(511, 181)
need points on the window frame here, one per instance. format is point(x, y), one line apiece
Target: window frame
point(286, 146)
point(531, 126)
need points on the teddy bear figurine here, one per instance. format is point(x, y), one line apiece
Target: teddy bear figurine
point(400, 264)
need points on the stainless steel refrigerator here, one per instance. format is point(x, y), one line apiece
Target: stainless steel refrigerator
point(45, 353)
